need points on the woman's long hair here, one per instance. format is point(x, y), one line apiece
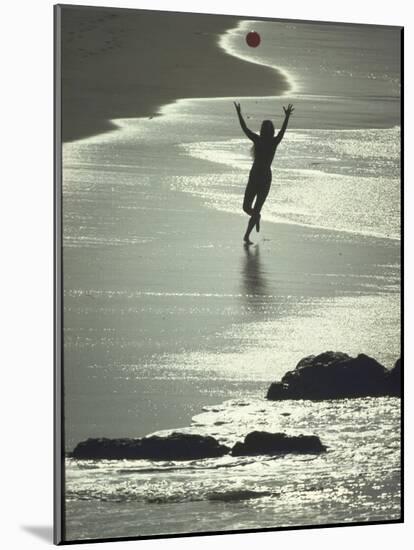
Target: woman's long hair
point(267, 131)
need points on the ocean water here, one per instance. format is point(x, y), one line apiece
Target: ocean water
point(165, 317)
point(328, 59)
point(357, 479)
point(341, 179)
point(345, 180)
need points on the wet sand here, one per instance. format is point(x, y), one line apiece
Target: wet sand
point(114, 66)
point(156, 330)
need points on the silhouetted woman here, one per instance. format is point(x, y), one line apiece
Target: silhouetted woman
point(260, 176)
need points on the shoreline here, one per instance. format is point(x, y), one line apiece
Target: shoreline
point(109, 42)
point(233, 481)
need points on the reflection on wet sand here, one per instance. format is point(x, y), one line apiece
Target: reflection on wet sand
point(255, 286)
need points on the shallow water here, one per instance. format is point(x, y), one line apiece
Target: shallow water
point(347, 180)
point(328, 59)
point(357, 479)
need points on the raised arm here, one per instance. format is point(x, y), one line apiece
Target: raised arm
point(288, 111)
point(251, 135)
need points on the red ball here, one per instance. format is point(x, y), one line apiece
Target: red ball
point(253, 39)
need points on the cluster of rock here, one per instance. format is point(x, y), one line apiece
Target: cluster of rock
point(177, 446)
point(330, 375)
point(264, 443)
point(336, 375)
point(180, 446)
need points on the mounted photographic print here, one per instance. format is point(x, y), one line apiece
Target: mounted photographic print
point(228, 283)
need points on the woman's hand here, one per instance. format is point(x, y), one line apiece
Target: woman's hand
point(238, 107)
point(289, 109)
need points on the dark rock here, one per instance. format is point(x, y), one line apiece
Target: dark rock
point(265, 443)
point(336, 375)
point(177, 446)
point(278, 391)
point(395, 379)
point(239, 494)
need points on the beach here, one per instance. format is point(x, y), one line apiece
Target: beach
point(114, 66)
point(170, 323)
point(162, 291)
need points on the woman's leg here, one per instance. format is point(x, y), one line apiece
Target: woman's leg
point(258, 222)
point(260, 200)
point(249, 197)
point(255, 216)
point(259, 191)
point(252, 222)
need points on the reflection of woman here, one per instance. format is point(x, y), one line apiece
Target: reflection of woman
point(254, 279)
point(260, 176)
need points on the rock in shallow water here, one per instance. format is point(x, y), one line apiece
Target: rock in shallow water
point(265, 443)
point(395, 379)
point(177, 446)
point(336, 375)
point(239, 494)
